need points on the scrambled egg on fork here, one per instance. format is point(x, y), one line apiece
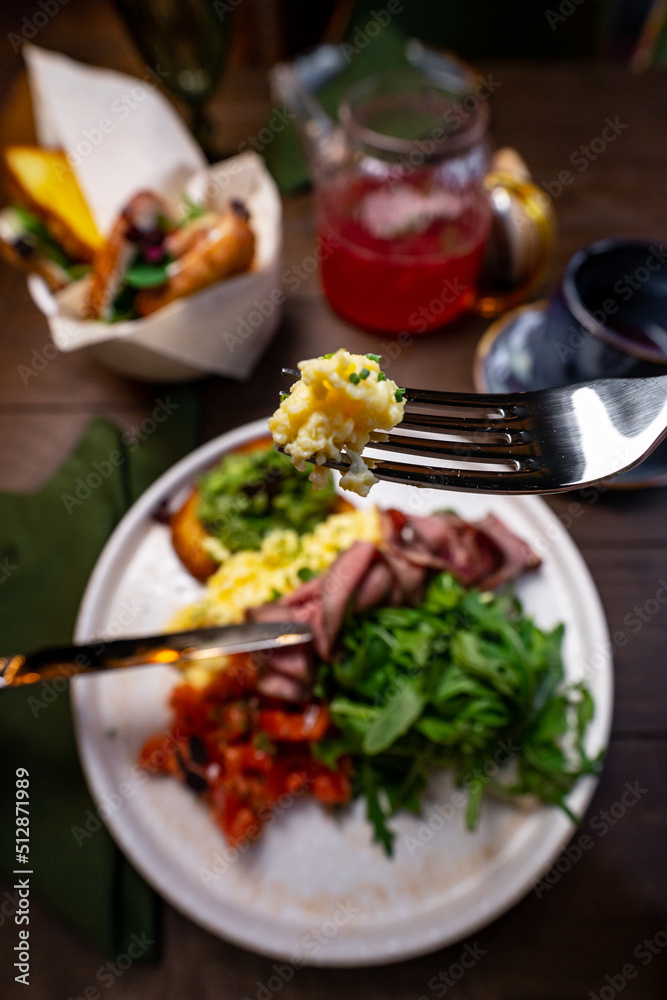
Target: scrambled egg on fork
point(341, 402)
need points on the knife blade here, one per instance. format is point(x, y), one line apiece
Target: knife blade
point(174, 648)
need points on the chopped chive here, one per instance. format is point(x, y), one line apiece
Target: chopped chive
point(373, 357)
point(284, 393)
point(398, 395)
point(364, 373)
point(327, 356)
point(354, 378)
point(382, 377)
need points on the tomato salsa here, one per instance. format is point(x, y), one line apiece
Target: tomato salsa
point(242, 751)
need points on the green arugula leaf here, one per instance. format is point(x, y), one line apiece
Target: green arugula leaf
point(400, 712)
point(374, 811)
point(469, 670)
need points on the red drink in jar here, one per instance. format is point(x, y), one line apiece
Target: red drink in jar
point(402, 255)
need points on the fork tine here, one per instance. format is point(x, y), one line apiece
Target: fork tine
point(476, 400)
point(510, 452)
point(438, 423)
point(468, 481)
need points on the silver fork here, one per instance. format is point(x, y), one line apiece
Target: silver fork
point(544, 441)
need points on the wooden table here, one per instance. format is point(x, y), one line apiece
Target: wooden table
point(577, 937)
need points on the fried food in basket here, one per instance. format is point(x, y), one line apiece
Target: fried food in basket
point(48, 228)
point(150, 260)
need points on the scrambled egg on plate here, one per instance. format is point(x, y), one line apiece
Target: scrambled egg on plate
point(341, 402)
point(284, 561)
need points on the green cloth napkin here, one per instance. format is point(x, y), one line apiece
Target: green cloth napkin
point(384, 52)
point(49, 543)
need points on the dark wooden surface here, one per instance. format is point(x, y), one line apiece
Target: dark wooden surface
point(573, 940)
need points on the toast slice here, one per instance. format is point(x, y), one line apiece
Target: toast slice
point(42, 181)
point(189, 535)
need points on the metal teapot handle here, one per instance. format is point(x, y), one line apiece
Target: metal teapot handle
point(520, 244)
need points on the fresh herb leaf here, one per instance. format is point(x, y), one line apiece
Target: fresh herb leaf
point(470, 676)
point(123, 305)
point(44, 242)
point(192, 210)
point(374, 811)
point(248, 495)
point(402, 709)
point(144, 275)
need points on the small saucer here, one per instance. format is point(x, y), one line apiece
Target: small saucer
point(507, 361)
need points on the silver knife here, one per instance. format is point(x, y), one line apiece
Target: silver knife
point(175, 648)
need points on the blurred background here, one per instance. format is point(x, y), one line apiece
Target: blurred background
point(264, 31)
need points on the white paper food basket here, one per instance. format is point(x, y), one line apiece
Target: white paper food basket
point(223, 329)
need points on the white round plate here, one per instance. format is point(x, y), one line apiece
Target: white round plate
point(314, 889)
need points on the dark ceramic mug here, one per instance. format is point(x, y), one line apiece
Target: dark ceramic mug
point(608, 318)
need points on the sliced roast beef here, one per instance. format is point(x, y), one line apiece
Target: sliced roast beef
point(292, 661)
point(285, 673)
point(409, 577)
point(483, 554)
point(276, 685)
point(467, 554)
point(323, 601)
point(516, 555)
point(376, 586)
point(338, 589)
